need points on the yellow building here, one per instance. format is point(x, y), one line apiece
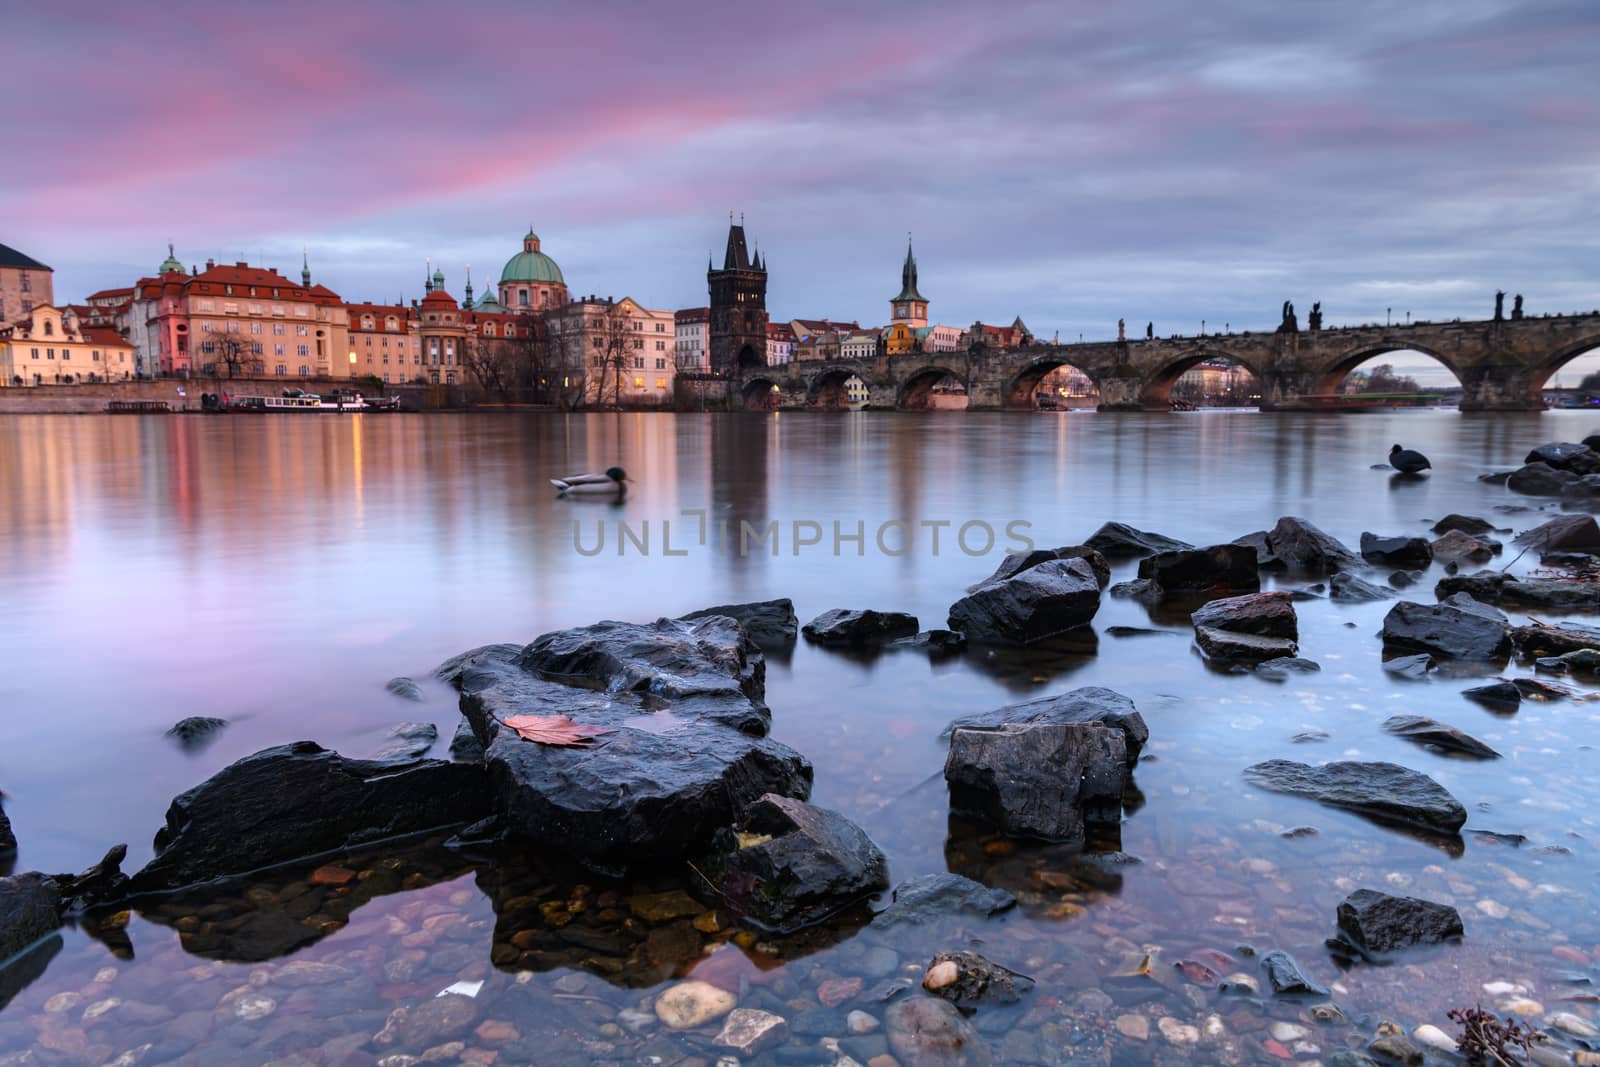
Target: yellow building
point(613, 353)
point(25, 284)
point(899, 339)
point(51, 347)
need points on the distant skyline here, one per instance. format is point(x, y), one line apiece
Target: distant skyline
point(1072, 163)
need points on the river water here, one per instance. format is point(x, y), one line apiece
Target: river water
point(276, 572)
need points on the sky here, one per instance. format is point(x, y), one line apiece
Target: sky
point(1072, 163)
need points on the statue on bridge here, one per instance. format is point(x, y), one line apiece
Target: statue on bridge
point(1516, 306)
point(1122, 330)
point(1499, 305)
point(1149, 331)
point(1314, 320)
point(1290, 324)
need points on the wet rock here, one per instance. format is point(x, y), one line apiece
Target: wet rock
point(8, 839)
point(1039, 780)
point(1257, 626)
point(1395, 551)
point(1546, 640)
point(1017, 562)
point(967, 980)
point(1300, 545)
point(196, 731)
point(845, 628)
point(1285, 667)
point(1396, 1047)
point(30, 909)
point(1509, 591)
point(930, 1032)
point(408, 741)
point(1411, 668)
point(1467, 524)
point(1457, 547)
point(1497, 696)
point(771, 624)
point(1540, 479)
point(1286, 978)
point(1384, 791)
point(1431, 1036)
point(1040, 602)
point(1089, 705)
point(1585, 661)
point(428, 1023)
point(791, 865)
point(1430, 732)
point(464, 744)
point(298, 800)
point(1567, 456)
point(748, 1031)
point(1257, 543)
point(255, 937)
point(1567, 533)
point(1117, 540)
point(1348, 589)
point(1457, 628)
point(693, 1003)
point(404, 688)
point(1218, 569)
point(1376, 924)
point(937, 896)
point(642, 792)
point(934, 643)
point(1575, 1025)
point(1405, 579)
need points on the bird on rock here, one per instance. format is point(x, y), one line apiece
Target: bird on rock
point(1408, 460)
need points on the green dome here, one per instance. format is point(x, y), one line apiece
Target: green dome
point(489, 305)
point(532, 267)
point(170, 264)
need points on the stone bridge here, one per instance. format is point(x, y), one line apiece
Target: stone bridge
point(1502, 365)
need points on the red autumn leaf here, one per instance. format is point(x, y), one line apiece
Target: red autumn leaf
point(558, 730)
point(1196, 971)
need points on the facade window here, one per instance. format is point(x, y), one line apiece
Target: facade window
point(49, 328)
point(661, 383)
point(661, 346)
point(96, 355)
point(255, 327)
point(638, 342)
point(278, 329)
point(35, 353)
point(27, 283)
point(522, 298)
point(638, 383)
point(302, 350)
point(661, 364)
point(277, 350)
point(302, 331)
point(305, 371)
point(281, 371)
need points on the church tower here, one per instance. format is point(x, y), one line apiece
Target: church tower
point(738, 306)
point(909, 307)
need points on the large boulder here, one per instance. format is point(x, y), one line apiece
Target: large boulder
point(1091, 705)
point(1457, 547)
point(30, 909)
point(1038, 603)
point(1395, 551)
point(1438, 735)
point(1376, 924)
point(1540, 479)
point(932, 897)
point(771, 624)
point(298, 800)
point(789, 865)
point(1224, 569)
point(1543, 640)
point(1017, 562)
point(1566, 533)
point(1383, 791)
point(1118, 540)
point(1299, 545)
point(1041, 780)
point(1583, 494)
point(847, 628)
point(686, 752)
point(1259, 626)
point(1456, 628)
point(1509, 591)
point(1566, 456)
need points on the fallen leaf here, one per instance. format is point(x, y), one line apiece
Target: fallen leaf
point(1196, 971)
point(556, 730)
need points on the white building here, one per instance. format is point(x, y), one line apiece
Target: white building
point(692, 339)
point(780, 344)
point(619, 351)
point(859, 344)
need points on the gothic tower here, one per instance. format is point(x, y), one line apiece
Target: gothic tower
point(909, 306)
point(738, 307)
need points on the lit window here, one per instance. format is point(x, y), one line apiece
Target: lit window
point(661, 383)
point(638, 383)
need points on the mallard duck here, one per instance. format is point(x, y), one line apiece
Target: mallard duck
point(1407, 460)
point(614, 480)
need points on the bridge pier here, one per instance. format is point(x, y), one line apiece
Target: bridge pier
point(1123, 394)
point(1501, 385)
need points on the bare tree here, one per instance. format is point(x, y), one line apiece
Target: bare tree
point(617, 338)
point(489, 360)
point(233, 352)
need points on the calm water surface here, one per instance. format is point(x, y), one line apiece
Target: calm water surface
point(276, 572)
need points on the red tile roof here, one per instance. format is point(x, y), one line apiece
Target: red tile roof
point(104, 337)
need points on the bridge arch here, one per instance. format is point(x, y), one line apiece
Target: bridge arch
point(760, 394)
point(827, 389)
point(1335, 372)
point(1020, 392)
point(916, 392)
point(1547, 368)
point(750, 359)
point(1157, 392)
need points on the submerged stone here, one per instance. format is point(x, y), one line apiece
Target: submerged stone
point(845, 628)
point(937, 896)
point(1286, 978)
point(1430, 732)
point(1385, 791)
point(1376, 923)
point(1040, 780)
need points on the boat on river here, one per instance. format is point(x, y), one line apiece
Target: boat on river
point(296, 401)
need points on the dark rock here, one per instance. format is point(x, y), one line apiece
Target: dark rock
point(30, 910)
point(1017, 562)
point(1583, 493)
point(1394, 1047)
point(1395, 551)
point(1220, 568)
point(1568, 561)
point(1257, 626)
point(1309, 737)
point(408, 741)
point(1346, 1058)
point(1384, 791)
point(1457, 628)
point(1376, 924)
point(1284, 667)
point(1467, 524)
point(1041, 780)
point(1348, 589)
point(771, 624)
point(1496, 478)
point(428, 1022)
point(1585, 661)
point(1117, 540)
point(464, 744)
point(1286, 978)
point(1304, 547)
point(1544, 692)
point(1139, 631)
point(1567, 456)
point(845, 628)
point(1136, 589)
point(937, 896)
point(1089, 705)
point(643, 792)
point(935, 643)
point(930, 1032)
point(977, 980)
point(404, 688)
point(1040, 602)
point(1413, 667)
point(1539, 479)
point(1257, 542)
point(1507, 590)
point(299, 800)
point(1438, 735)
point(1497, 696)
point(791, 865)
point(1405, 579)
point(8, 839)
point(196, 731)
point(1566, 533)
point(102, 883)
point(1534, 641)
point(258, 936)
point(1456, 546)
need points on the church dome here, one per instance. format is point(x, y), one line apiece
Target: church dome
point(532, 265)
point(170, 264)
point(489, 305)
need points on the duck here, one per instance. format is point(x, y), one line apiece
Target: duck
point(614, 480)
point(1408, 460)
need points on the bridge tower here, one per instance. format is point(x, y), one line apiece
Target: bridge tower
point(738, 306)
point(909, 307)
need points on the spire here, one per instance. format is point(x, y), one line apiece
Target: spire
point(737, 256)
point(305, 266)
point(427, 275)
point(466, 303)
point(908, 276)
